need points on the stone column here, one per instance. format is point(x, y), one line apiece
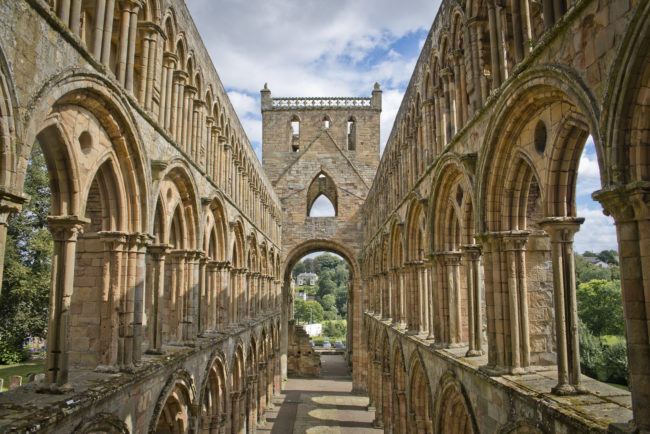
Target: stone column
point(64, 11)
point(423, 299)
point(517, 30)
point(379, 419)
point(130, 59)
point(166, 84)
point(494, 45)
point(386, 295)
point(502, 41)
point(176, 113)
point(188, 118)
point(472, 255)
point(98, 28)
point(112, 309)
point(448, 109)
point(147, 40)
point(106, 34)
point(432, 304)
point(561, 230)
point(514, 247)
point(629, 207)
point(157, 288)
point(225, 303)
point(460, 94)
point(65, 230)
point(75, 17)
point(452, 265)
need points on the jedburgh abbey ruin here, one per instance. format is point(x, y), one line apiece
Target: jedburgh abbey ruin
point(170, 304)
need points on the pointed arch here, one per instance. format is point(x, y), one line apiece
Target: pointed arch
point(322, 184)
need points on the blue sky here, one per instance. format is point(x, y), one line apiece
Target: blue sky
point(340, 48)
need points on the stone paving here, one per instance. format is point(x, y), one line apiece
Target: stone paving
point(321, 405)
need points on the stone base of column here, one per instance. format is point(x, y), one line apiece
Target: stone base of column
point(154, 352)
point(107, 369)
point(474, 353)
point(568, 389)
point(55, 389)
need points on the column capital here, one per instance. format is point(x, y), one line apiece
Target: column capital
point(472, 251)
point(66, 228)
point(181, 76)
point(561, 229)
point(11, 201)
point(158, 249)
point(625, 202)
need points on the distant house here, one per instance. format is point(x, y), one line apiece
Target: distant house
point(597, 262)
point(306, 279)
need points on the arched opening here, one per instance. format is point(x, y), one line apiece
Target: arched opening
point(452, 414)
point(175, 417)
point(351, 125)
point(322, 207)
point(326, 122)
point(322, 196)
point(238, 412)
point(294, 128)
point(420, 401)
point(346, 293)
point(213, 405)
point(399, 392)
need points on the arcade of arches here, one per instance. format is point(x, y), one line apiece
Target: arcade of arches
point(173, 245)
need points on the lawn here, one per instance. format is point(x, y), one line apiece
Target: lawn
point(22, 369)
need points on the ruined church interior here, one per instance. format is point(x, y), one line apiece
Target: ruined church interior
point(171, 293)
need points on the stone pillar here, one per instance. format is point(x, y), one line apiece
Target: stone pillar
point(379, 418)
point(157, 253)
point(64, 11)
point(561, 230)
point(494, 45)
point(460, 94)
point(629, 207)
point(449, 107)
point(502, 34)
point(130, 59)
point(166, 91)
point(472, 255)
point(65, 230)
point(176, 115)
point(386, 295)
point(452, 270)
point(517, 30)
point(98, 28)
point(188, 118)
point(423, 299)
point(106, 33)
point(506, 301)
point(112, 306)
point(432, 304)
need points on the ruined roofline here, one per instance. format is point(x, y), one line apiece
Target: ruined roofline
point(320, 103)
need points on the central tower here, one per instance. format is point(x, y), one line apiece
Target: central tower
point(329, 147)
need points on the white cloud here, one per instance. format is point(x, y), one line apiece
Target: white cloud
point(596, 233)
point(322, 207)
point(334, 48)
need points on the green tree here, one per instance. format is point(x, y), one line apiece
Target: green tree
point(341, 295)
point(612, 364)
point(341, 274)
point(609, 256)
point(600, 307)
point(28, 261)
point(590, 350)
point(308, 310)
point(325, 287)
point(586, 271)
point(329, 303)
point(328, 261)
point(299, 268)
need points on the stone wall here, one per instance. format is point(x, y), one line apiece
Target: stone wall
point(468, 262)
point(319, 160)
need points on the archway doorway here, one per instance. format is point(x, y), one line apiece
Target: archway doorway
point(353, 301)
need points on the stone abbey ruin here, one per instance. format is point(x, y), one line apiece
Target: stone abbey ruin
point(173, 246)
